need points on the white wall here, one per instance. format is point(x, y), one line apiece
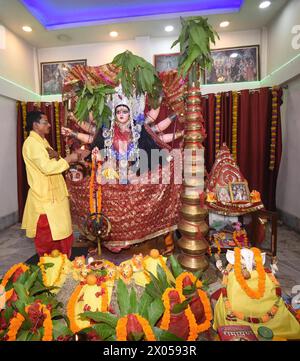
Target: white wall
point(288, 186)
point(8, 159)
point(280, 36)
point(17, 62)
point(102, 53)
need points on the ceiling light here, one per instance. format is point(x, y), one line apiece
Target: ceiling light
point(26, 28)
point(234, 55)
point(265, 4)
point(169, 28)
point(113, 34)
point(224, 24)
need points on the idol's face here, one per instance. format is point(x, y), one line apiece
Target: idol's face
point(122, 114)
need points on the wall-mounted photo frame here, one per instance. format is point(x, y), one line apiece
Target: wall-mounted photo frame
point(239, 192)
point(53, 73)
point(166, 62)
point(234, 65)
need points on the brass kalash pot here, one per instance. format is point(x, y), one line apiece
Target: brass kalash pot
point(192, 222)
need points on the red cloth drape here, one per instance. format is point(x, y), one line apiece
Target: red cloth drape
point(49, 110)
point(253, 137)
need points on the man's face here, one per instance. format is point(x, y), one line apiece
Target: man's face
point(43, 127)
point(122, 114)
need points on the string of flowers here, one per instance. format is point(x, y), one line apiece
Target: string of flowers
point(47, 323)
point(205, 325)
point(232, 315)
point(104, 298)
point(274, 125)
point(24, 114)
point(121, 329)
point(92, 180)
point(241, 233)
point(95, 197)
point(235, 99)
point(71, 309)
point(11, 271)
point(165, 322)
point(260, 270)
point(17, 321)
point(218, 123)
point(57, 127)
point(14, 326)
point(46, 282)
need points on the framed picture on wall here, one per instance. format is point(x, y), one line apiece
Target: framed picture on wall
point(166, 62)
point(234, 65)
point(53, 73)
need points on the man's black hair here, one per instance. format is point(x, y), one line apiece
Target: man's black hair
point(33, 117)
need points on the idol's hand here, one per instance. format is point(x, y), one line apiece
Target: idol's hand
point(66, 132)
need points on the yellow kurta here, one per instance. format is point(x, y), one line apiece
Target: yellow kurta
point(48, 192)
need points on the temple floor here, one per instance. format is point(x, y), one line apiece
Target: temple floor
point(15, 248)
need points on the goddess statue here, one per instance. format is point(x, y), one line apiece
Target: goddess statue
point(137, 208)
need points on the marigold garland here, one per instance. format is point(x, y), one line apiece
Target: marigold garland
point(121, 329)
point(260, 270)
point(72, 303)
point(218, 123)
point(104, 298)
point(57, 127)
point(274, 126)
point(235, 99)
point(205, 325)
point(71, 309)
point(11, 271)
point(24, 114)
point(95, 199)
point(237, 234)
point(92, 180)
point(14, 326)
point(181, 277)
point(232, 314)
point(44, 274)
point(165, 322)
point(17, 321)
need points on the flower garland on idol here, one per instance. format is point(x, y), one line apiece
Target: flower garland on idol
point(17, 321)
point(256, 294)
point(205, 325)
point(121, 329)
point(165, 322)
point(233, 315)
point(77, 296)
point(20, 266)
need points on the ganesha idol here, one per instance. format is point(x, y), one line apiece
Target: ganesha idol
point(132, 192)
point(251, 295)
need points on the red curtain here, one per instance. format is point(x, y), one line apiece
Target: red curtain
point(254, 121)
point(55, 113)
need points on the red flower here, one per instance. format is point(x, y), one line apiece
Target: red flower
point(17, 274)
point(111, 310)
point(93, 336)
point(86, 308)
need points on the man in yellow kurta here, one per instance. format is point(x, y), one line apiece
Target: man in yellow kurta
point(47, 213)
